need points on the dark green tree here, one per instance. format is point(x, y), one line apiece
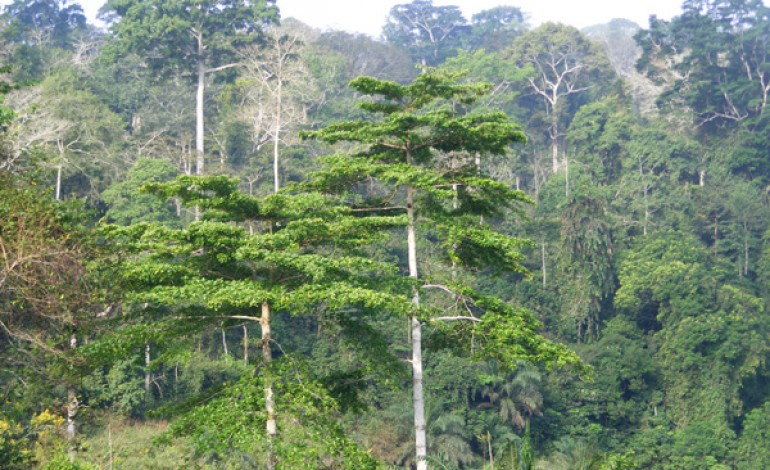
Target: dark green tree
point(430, 33)
point(714, 59)
point(495, 29)
point(43, 22)
point(193, 37)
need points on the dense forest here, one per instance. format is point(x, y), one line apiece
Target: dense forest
point(229, 240)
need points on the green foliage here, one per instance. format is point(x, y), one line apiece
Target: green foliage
point(752, 453)
point(429, 33)
point(128, 206)
point(30, 20)
point(166, 32)
point(14, 445)
point(234, 420)
point(722, 50)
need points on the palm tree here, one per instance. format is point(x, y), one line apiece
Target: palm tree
point(515, 395)
point(449, 439)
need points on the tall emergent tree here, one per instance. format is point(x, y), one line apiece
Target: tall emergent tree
point(194, 36)
point(401, 157)
point(42, 22)
point(430, 33)
point(566, 65)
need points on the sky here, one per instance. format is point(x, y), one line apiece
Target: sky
point(368, 16)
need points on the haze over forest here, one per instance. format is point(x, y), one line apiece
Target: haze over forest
point(229, 239)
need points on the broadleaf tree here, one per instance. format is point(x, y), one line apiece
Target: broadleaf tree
point(417, 123)
point(193, 36)
point(294, 253)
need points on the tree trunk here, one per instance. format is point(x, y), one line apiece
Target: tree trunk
point(545, 278)
point(224, 341)
point(147, 375)
point(72, 411)
point(199, 150)
point(418, 401)
point(277, 138)
point(267, 355)
point(58, 179)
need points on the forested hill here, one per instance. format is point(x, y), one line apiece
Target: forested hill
point(229, 240)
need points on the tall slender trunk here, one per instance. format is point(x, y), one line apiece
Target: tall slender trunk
point(199, 150)
point(224, 341)
point(58, 178)
point(491, 454)
point(277, 137)
point(72, 411)
point(418, 402)
point(545, 278)
point(267, 355)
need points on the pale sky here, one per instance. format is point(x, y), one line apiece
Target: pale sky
point(368, 16)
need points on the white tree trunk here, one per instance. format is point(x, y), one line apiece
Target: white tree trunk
point(199, 150)
point(277, 139)
point(58, 179)
point(545, 278)
point(418, 402)
point(147, 375)
point(267, 355)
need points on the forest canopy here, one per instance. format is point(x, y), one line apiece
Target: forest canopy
point(231, 240)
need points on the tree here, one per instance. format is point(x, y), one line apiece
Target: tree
point(566, 65)
point(190, 36)
point(127, 206)
point(39, 31)
point(430, 33)
point(714, 59)
point(294, 253)
point(495, 29)
point(42, 22)
point(45, 299)
point(73, 128)
point(278, 90)
point(710, 336)
point(400, 157)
